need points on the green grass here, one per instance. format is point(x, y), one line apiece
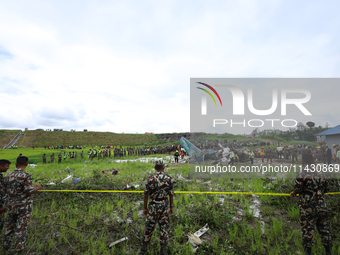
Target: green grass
point(89, 222)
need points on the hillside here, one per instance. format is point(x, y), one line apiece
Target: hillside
point(39, 138)
point(6, 136)
point(50, 138)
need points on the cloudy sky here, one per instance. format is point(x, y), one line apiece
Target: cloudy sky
point(125, 66)
point(266, 103)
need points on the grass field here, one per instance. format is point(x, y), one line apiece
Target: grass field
point(86, 223)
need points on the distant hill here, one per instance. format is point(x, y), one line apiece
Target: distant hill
point(40, 138)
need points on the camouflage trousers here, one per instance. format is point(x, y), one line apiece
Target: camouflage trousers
point(17, 223)
point(311, 217)
point(270, 157)
point(2, 221)
point(294, 156)
point(157, 213)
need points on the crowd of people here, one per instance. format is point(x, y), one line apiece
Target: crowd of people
point(274, 150)
point(109, 151)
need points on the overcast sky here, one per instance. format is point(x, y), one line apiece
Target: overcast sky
point(125, 66)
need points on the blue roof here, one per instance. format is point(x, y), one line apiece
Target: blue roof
point(331, 131)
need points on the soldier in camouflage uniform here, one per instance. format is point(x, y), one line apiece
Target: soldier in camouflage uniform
point(294, 154)
point(269, 154)
point(52, 158)
point(311, 187)
point(158, 188)
point(4, 166)
point(19, 187)
point(307, 151)
point(286, 150)
point(323, 154)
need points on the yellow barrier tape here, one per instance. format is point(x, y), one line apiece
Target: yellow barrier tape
point(183, 192)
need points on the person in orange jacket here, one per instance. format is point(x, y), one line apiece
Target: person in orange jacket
point(262, 154)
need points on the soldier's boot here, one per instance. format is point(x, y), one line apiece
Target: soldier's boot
point(307, 251)
point(328, 249)
point(144, 249)
point(163, 249)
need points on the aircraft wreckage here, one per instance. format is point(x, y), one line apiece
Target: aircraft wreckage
point(222, 155)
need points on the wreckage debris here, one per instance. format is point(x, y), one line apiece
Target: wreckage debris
point(76, 180)
point(195, 240)
point(54, 213)
point(118, 241)
point(69, 177)
point(130, 187)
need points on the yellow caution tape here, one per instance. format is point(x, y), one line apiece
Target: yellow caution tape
point(183, 192)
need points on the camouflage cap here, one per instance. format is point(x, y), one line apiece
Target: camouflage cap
point(159, 163)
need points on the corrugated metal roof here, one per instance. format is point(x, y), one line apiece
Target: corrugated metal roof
point(331, 131)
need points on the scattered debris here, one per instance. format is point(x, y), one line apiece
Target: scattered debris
point(131, 187)
point(195, 240)
point(51, 183)
point(201, 231)
point(76, 180)
point(56, 234)
point(69, 177)
point(127, 187)
point(114, 172)
point(54, 213)
point(118, 241)
point(181, 178)
point(138, 203)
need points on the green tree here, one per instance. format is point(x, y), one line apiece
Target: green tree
point(310, 124)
